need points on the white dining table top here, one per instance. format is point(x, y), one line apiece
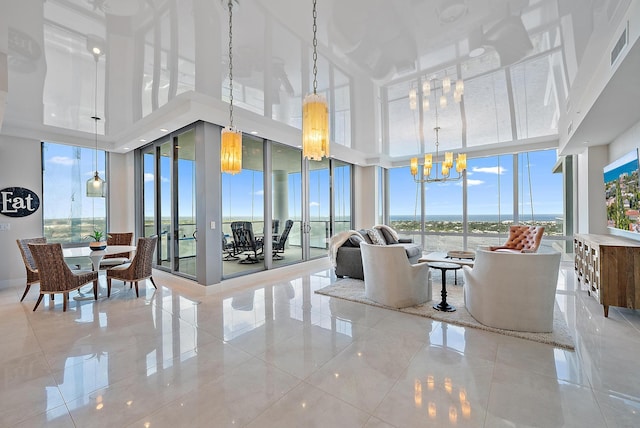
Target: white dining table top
point(85, 251)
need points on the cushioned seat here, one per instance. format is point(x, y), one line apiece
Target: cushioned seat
point(512, 291)
point(117, 238)
point(522, 239)
point(344, 249)
point(389, 278)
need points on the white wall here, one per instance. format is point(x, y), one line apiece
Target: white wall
point(365, 197)
point(20, 166)
point(589, 200)
point(121, 190)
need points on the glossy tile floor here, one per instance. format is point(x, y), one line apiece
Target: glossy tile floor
point(269, 352)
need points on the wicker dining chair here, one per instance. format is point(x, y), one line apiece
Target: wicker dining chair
point(33, 275)
point(117, 238)
point(55, 275)
point(140, 267)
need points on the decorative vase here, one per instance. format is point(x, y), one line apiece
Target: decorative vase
point(97, 245)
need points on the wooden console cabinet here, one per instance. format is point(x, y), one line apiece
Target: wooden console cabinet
point(609, 266)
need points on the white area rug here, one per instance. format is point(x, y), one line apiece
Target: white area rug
point(353, 289)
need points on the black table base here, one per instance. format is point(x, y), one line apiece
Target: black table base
point(444, 267)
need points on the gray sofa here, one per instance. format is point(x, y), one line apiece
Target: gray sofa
point(349, 258)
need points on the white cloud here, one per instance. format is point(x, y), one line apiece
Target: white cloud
point(164, 179)
point(314, 204)
point(62, 160)
point(490, 170)
point(259, 193)
point(474, 182)
point(148, 177)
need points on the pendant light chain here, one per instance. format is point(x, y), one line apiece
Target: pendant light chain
point(315, 48)
point(95, 114)
point(230, 64)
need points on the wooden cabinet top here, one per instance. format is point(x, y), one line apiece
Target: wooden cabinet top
point(608, 240)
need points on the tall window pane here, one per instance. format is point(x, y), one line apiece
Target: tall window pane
point(489, 199)
point(540, 191)
point(341, 196)
point(243, 200)
point(68, 214)
point(404, 202)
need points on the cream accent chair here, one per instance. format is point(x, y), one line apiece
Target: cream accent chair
point(512, 291)
point(389, 278)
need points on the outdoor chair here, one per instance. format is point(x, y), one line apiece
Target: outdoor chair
point(33, 275)
point(55, 275)
point(246, 242)
point(279, 245)
point(140, 267)
point(229, 249)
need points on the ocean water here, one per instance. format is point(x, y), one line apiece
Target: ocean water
point(477, 217)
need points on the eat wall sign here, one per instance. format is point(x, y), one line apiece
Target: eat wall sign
point(18, 202)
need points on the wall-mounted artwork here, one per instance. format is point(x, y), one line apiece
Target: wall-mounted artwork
point(622, 193)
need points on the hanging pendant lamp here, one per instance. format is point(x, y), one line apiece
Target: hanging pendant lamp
point(96, 186)
point(315, 112)
point(231, 138)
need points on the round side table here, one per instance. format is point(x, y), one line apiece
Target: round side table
point(444, 267)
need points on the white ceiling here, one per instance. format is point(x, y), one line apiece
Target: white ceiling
point(389, 43)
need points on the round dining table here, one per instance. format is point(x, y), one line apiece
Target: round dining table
point(96, 257)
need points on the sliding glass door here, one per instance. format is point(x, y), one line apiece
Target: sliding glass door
point(168, 203)
point(286, 203)
point(276, 211)
point(243, 209)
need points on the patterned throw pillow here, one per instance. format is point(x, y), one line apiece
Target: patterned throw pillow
point(376, 237)
point(355, 240)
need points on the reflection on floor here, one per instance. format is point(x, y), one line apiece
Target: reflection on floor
point(265, 351)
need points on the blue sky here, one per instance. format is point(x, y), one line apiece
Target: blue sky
point(484, 190)
point(243, 193)
point(66, 170)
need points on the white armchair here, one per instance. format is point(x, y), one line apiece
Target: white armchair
point(390, 279)
point(512, 291)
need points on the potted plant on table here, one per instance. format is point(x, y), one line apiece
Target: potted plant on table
point(99, 242)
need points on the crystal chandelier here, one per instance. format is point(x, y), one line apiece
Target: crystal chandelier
point(441, 170)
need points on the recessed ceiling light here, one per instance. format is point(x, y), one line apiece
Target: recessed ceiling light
point(254, 132)
point(164, 129)
point(125, 148)
point(142, 140)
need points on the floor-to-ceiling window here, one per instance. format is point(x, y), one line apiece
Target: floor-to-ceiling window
point(341, 196)
point(275, 188)
point(493, 204)
point(490, 202)
point(319, 208)
point(286, 173)
point(243, 205)
point(68, 214)
point(168, 200)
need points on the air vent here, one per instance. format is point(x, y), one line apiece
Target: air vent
point(620, 44)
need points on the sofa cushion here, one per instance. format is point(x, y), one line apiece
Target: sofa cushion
point(413, 250)
point(388, 237)
point(355, 240)
point(365, 235)
point(376, 237)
